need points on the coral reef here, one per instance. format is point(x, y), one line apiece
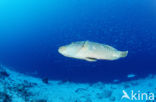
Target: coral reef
point(17, 87)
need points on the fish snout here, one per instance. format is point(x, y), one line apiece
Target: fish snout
point(61, 49)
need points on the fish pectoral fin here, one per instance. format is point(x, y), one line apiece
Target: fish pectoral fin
point(90, 59)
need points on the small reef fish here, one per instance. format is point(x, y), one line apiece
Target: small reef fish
point(91, 51)
point(131, 75)
point(116, 80)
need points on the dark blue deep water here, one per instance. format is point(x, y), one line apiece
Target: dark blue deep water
point(32, 30)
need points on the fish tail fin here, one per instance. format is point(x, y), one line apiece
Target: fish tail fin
point(124, 53)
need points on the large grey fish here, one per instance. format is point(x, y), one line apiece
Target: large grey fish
point(91, 51)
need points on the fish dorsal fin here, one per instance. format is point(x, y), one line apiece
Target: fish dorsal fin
point(91, 59)
point(109, 47)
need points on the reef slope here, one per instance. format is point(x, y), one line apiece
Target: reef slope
point(18, 87)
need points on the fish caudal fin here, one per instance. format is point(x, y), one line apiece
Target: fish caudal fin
point(124, 53)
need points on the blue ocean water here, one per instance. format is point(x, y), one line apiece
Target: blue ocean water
point(31, 31)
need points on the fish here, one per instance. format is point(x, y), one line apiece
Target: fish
point(116, 80)
point(91, 51)
point(131, 75)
